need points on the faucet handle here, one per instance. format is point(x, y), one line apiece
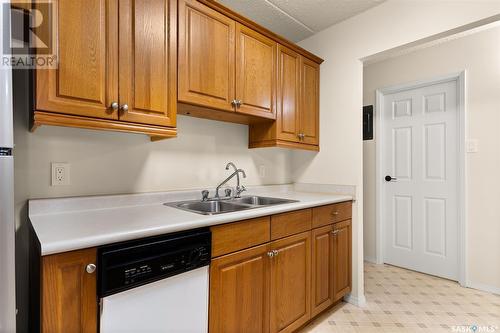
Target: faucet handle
point(239, 190)
point(228, 192)
point(204, 195)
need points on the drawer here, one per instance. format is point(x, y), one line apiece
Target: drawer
point(329, 214)
point(290, 223)
point(232, 237)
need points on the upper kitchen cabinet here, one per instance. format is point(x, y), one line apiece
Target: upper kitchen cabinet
point(86, 80)
point(206, 56)
point(148, 61)
point(112, 74)
point(309, 102)
point(255, 73)
point(297, 117)
point(224, 65)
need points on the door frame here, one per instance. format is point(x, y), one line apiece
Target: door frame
point(460, 79)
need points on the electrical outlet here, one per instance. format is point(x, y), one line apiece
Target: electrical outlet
point(262, 171)
point(60, 174)
point(472, 146)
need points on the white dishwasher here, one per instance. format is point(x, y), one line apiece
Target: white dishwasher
point(155, 285)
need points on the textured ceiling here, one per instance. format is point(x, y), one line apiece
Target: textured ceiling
point(299, 19)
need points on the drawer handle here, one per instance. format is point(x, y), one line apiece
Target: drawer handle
point(273, 253)
point(335, 232)
point(335, 213)
point(90, 268)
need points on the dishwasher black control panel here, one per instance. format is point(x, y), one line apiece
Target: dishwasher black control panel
point(131, 264)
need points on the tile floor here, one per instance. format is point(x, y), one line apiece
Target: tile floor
point(399, 300)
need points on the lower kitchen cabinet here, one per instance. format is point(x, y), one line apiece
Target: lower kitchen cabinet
point(290, 283)
point(342, 266)
point(69, 301)
point(239, 292)
point(322, 272)
point(271, 274)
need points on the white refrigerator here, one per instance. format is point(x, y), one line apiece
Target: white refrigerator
point(7, 224)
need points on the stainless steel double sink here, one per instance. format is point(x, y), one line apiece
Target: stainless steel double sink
point(213, 207)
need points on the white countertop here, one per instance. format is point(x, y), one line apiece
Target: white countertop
point(75, 223)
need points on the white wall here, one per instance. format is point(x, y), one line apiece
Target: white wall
point(479, 55)
point(384, 27)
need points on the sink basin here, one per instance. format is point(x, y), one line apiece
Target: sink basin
point(227, 205)
point(209, 207)
point(261, 201)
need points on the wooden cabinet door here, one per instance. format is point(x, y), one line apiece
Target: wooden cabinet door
point(256, 64)
point(288, 103)
point(342, 265)
point(206, 56)
point(148, 61)
point(86, 80)
point(309, 105)
point(290, 283)
point(322, 269)
point(69, 296)
point(239, 292)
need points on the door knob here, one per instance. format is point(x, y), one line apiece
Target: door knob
point(90, 268)
point(390, 179)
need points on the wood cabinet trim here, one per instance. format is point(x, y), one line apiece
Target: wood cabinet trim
point(55, 119)
point(282, 144)
point(252, 25)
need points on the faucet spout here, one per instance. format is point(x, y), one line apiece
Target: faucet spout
point(235, 173)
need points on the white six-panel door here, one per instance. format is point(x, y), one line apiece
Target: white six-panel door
point(420, 219)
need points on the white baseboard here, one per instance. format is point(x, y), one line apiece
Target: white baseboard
point(483, 287)
point(370, 259)
point(359, 301)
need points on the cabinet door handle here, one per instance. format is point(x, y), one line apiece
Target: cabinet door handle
point(234, 102)
point(335, 213)
point(124, 108)
point(91, 268)
point(335, 232)
point(275, 253)
point(114, 106)
point(270, 254)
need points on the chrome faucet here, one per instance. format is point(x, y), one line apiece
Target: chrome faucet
point(239, 188)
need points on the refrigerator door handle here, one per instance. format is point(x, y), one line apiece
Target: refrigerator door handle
point(7, 246)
